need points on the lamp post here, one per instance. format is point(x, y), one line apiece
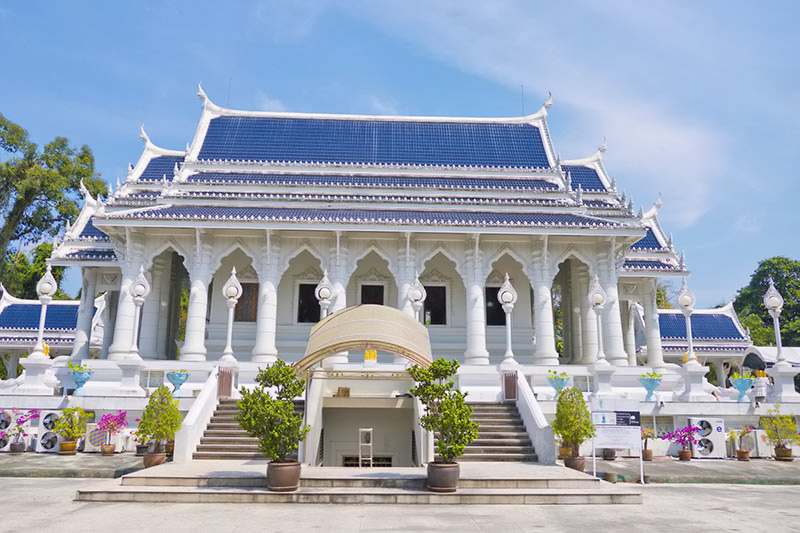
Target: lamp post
point(773, 301)
point(507, 297)
point(139, 290)
point(231, 291)
point(597, 299)
point(686, 301)
point(323, 292)
point(417, 295)
point(45, 288)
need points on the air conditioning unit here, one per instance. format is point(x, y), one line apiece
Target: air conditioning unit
point(710, 438)
point(5, 423)
point(47, 440)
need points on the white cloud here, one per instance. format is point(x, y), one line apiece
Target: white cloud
point(289, 20)
point(383, 107)
point(266, 103)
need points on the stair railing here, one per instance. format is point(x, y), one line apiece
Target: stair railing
point(194, 424)
point(539, 430)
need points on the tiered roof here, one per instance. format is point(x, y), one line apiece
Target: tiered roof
point(716, 333)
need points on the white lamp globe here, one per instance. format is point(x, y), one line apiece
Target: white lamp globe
point(506, 297)
point(231, 291)
point(324, 293)
point(597, 298)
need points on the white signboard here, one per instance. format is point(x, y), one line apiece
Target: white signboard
point(618, 437)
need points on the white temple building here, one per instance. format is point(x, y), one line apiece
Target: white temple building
point(473, 227)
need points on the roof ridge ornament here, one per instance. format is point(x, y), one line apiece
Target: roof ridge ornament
point(143, 135)
point(548, 103)
point(603, 147)
point(207, 103)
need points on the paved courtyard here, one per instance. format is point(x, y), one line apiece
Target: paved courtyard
point(685, 507)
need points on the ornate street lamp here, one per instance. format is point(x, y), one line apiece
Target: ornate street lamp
point(686, 301)
point(597, 299)
point(232, 291)
point(773, 301)
point(417, 295)
point(46, 288)
point(139, 290)
point(323, 292)
point(507, 297)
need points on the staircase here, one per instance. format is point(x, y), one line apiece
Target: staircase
point(501, 435)
point(224, 438)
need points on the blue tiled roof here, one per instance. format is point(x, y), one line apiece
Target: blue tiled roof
point(395, 182)
point(364, 216)
point(648, 242)
point(160, 166)
point(586, 177)
point(374, 142)
point(648, 265)
point(90, 232)
point(29, 339)
point(26, 316)
point(704, 326)
point(93, 254)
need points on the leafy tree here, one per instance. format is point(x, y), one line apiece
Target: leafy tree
point(160, 420)
point(40, 187)
point(21, 274)
point(665, 295)
point(760, 334)
point(749, 300)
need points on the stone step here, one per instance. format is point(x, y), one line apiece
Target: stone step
point(225, 433)
point(504, 449)
point(502, 434)
point(501, 442)
point(376, 495)
point(227, 455)
point(230, 447)
point(517, 457)
point(228, 440)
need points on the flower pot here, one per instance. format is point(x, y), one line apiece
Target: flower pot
point(609, 454)
point(154, 459)
point(177, 379)
point(783, 454)
point(564, 452)
point(17, 447)
point(650, 385)
point(67, 447)
point(685, 455)
point(107, 449)
point(283, 477)
point(611, 477)
point(443, 477)
point(647, 455)
point(141, 449)
point(742, 385)
point(80, 377)
point(558, 384)
point(743, 455)
point(575, 463)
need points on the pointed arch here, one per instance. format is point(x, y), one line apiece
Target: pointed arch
point(305, 246)
point(513, 254)
point(439, 249)
point(572, 253)
point(163, 247)
point(364, 252)
point(238, 245)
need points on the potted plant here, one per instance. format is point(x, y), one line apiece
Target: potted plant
point(446, 415)
point(14, 427)
point(80, 375)
point(650, 381)
point(160, 420)
point(684, 438)
point(647, 434)
point(177, 378)
point(781, 432)
point(742, 383)
point(267, 413)
point(573, 424)
point(110, 425)
point(71, 425)
point(736, 438)
point(557, 380)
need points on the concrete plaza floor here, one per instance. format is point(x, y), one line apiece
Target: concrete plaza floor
point(34, 504)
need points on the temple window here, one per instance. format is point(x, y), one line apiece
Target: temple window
point(307, 303)
point(246, 309)
point(495, 316)
point(372, 294)
point(435, 310)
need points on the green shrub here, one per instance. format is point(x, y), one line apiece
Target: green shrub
point(572, 423)
point(267, 411)
point(160, 420)
point(71, 425)
point(781, 429)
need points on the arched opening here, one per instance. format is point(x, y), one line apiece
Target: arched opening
point(163, 323)
point(445, 301)
point(298, 308)
point(245, 312)
point(521, 315)
point(372, 282)
point(574, 322)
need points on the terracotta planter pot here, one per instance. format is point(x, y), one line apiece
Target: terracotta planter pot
point(67, 447)
point(141, 449)
point(647, 455)
point(564, 451)
point(170, 447)
point(17, 447)
point(611, 477)
point(154, 459)
point(609, 454)
point(685, 455)
point(443, 477)
point(743, 455)
point(107, 449)
point(283, 477)
point(575, 463)
point(783, 454)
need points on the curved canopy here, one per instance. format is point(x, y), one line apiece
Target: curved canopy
point(368, 326)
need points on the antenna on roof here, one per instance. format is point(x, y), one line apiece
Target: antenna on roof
point(522, 98)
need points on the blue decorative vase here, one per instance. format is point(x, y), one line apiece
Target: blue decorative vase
point(177, 379)
point(742, 385)
point(650, 385)
point(80, 377)
point(557, 383)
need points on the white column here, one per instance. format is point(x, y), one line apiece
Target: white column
point(588, 320)
point(151, 316)
point(574, 310)
point(405, 280)
point(168, 284)
point(339, 278)
point(109, 321)
point(545, 352)
point(652, 329)
point(476, 352)
point(83, 327)
point(194, 346)
point(126, 311)
point(613, 345)
point(566, 316)
point(628, 331)
point(266, 348)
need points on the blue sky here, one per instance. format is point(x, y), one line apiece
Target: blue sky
point(698, 101)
